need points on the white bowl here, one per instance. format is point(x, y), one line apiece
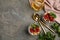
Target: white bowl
point(34, 33)
point(46, 20)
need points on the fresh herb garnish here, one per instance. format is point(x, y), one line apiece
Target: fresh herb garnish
point(47, 36)
point(56, 27)
point(34, 25)
point(52, 14)
point(59, 29)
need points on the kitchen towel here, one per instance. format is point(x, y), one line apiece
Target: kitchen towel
point(53, 5)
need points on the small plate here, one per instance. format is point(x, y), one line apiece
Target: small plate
point(47, 20)
point(35, 33)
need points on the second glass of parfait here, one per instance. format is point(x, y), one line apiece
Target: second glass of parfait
point(37, 4)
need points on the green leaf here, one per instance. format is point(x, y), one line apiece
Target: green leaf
point(52, 14)
point(55, 26)
point(47, 36)
point(59, 29)
point(33, 25)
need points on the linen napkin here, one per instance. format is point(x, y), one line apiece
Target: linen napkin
point(53, 5)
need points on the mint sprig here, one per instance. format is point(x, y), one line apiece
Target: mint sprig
point(47, 36)
point(34, 25)
point(52, 14)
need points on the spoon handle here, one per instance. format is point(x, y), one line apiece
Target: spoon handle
point(47, 27)
point(42, 27)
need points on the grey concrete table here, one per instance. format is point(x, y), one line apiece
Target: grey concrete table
point(15, 17)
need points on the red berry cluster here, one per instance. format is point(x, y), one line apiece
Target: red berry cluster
point(34, 30)
point(48, 17)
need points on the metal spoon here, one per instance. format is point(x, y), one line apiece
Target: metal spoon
point(36, 17)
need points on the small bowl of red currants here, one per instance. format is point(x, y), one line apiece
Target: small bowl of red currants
point(49, 17)
point(34, 29)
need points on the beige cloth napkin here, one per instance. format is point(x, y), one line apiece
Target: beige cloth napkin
point(53, 5)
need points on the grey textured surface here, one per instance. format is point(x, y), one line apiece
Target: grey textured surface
point(15, 17)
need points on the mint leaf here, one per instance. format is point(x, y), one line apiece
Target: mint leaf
point(52, 14)
point(34, 25)
point(59, 29)
point(47, 36)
